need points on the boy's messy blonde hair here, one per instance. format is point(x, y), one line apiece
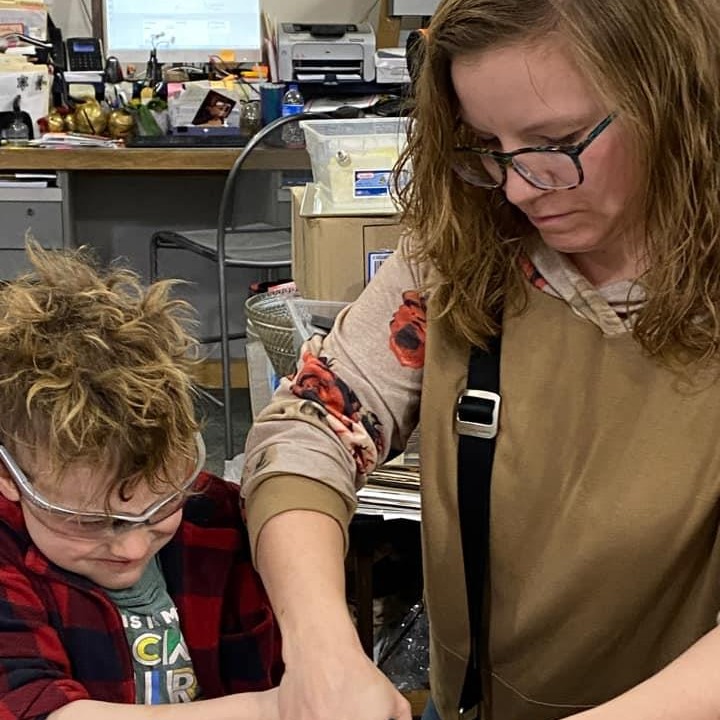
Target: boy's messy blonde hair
point(96, 369)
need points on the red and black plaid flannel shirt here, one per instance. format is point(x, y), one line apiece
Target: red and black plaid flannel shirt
point(62, 639)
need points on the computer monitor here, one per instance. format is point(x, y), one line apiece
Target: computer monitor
point(413, 7)
point(186, 31)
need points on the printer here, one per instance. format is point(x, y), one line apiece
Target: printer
point(325, 53)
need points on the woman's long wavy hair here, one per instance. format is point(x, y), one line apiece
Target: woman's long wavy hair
point(657, 64)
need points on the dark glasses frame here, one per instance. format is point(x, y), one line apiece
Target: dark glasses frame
point(507, 159)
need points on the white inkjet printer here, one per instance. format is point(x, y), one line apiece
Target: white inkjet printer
point(325, 53)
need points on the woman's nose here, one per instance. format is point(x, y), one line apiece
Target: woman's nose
point(518, 190)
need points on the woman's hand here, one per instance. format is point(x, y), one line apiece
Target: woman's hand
point(327, 674)
point(337, 684)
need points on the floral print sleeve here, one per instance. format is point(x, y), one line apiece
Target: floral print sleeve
point(356, 393)
point(407, 330)
point(358, 429)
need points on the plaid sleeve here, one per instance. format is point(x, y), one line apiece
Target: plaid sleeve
point(35, 673)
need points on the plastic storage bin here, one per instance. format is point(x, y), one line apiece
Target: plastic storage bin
point(352, 161)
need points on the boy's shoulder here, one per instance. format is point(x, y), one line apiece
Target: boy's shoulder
point(211, 542)
point(14, 538)
point(18, 553)
point(216, 503)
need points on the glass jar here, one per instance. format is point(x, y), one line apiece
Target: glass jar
point(18, 133)
point(250, 118)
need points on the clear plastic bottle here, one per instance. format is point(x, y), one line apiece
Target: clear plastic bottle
point(293, 103)
point(18, 133)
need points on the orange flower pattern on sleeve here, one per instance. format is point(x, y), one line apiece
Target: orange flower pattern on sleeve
point(358, 430)
point(531, 272)
point(408, 328)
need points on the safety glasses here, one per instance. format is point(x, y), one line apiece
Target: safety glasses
point(97, 525)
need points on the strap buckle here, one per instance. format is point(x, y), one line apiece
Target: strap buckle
point(470, 713)
point(477, 413)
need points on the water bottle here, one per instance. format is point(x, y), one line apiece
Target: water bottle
point(293, 103)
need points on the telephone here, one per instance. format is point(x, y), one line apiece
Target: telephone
point(84, 54)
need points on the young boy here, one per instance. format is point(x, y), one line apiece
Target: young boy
point(125, 574)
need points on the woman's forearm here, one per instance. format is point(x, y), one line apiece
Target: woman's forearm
point(245, 706)
point(300, 557)
point(687, 689)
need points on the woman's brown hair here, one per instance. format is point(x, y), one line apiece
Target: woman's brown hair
point(656, 63)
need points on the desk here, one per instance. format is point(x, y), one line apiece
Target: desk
point(149, 159)
point(104, 189)
point(67, 162)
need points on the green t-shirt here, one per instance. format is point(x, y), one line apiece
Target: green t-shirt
point(164, 672)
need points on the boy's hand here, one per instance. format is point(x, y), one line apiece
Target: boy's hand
point(241, 706)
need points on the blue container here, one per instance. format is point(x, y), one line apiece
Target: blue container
point(271, 96)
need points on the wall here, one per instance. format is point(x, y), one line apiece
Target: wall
point(69, 15)
point(117, 215)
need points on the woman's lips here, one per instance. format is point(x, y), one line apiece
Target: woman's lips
point(541, 221)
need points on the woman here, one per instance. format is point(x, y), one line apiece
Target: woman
point(565, 176)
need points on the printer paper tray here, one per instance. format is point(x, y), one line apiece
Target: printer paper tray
point(322, 77)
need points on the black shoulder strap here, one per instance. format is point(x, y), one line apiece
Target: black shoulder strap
point(476, 422)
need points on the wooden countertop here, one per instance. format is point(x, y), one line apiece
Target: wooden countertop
point(149, 159)
point(418, 700)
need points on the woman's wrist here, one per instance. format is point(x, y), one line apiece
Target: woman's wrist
point(321, 635)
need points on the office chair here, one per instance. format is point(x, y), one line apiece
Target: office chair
point(257, 245)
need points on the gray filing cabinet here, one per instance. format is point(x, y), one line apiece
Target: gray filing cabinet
point(38, 210)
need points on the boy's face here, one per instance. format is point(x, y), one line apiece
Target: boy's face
point(111, 561)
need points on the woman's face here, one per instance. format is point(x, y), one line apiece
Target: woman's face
point(534, 95)
point(219, 109)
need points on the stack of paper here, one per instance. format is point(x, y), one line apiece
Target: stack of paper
point(62, 139)
point(27, 180)
point(392, 491)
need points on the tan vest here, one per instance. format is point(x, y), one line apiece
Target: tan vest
point(605, 562)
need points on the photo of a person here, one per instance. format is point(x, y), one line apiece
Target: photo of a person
point(214, 110)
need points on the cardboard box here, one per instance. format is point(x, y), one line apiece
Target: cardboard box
point(333, 257)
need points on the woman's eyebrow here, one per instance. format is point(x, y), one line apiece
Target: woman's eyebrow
point(555, 125)
point(551, 126)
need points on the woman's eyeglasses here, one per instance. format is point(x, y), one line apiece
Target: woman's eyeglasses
point(100, 525)
point(553, 167)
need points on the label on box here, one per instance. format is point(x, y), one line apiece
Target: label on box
point(374, 260)
point(371, 183)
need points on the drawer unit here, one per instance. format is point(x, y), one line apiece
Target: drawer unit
point(37, 211)
point(12, 263)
